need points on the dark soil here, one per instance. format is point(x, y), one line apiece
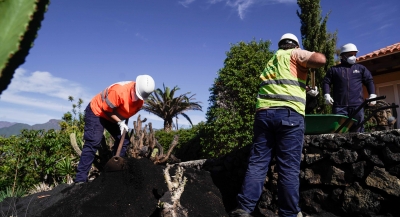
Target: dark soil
point(133, 192)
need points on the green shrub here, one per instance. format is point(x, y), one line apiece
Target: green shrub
point(10, 192)
point(31, 158)
point(233, 97)
point(188, 147)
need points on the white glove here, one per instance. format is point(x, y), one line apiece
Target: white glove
point(313, 92)
point(122, 126)
point(328, 99)
point(371, 96)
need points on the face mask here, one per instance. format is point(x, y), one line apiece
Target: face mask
point(351, 60)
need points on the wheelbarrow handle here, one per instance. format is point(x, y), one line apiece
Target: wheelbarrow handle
point(375, 111)
point(354, 113)
point(373, 99)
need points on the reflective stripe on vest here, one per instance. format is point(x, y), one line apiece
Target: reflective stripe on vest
point(283, 81)
point(279, 86)
point(104, 93)
point(282, 97)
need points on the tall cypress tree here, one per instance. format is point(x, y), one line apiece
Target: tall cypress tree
point(230, 115)
point(315, 37)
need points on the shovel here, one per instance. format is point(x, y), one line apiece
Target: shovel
point(312, 79)
point(117, 163)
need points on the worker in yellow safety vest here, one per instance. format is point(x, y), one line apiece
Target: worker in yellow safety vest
point(279, 127)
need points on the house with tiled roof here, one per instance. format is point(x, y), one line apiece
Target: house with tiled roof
point(384, 64)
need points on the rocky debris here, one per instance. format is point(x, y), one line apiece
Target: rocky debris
point(391, 156)
point(369, 155)
point(344, 156)
point(352, 174)
point(357, 200)
point(382, 119)
point(341, 175)
point(382, 180)
point(132, 192)
point(359, 169)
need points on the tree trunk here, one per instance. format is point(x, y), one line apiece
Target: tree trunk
point(168, 125)
point(170, 202)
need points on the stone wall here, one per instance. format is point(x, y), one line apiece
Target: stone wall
point(341, 174)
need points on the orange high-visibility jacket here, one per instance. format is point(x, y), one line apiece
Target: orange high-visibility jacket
point(119, 96)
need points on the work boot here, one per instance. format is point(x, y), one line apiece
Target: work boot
point(239, 213)
point(79, 183)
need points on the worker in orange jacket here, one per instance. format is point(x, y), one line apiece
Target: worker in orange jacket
point(109, 110)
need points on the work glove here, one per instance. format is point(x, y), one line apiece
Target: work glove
point(371, 96)
point(122, 126)
point(313, 92)
point(328, 99)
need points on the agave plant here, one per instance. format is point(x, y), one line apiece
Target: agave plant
point(40, 188)
point(20, 21)
point(10, 192)
point(66, 169)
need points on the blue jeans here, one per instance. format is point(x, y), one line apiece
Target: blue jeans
point(280, 132)
point(93, 134)
point(347, 111)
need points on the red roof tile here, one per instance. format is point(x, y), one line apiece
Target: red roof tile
point(381, 52)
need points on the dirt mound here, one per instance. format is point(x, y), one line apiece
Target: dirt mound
point(133, 192)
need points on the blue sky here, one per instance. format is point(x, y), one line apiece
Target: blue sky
point(84, 46)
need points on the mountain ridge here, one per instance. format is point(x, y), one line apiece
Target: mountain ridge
point(6, 124)
point(8, 129)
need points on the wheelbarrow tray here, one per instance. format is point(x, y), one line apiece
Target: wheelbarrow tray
point(326, 123)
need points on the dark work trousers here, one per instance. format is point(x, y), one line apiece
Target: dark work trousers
point(347, 111)
point(279, 132)
point(93, 134)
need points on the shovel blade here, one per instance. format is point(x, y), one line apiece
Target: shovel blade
point(115, 164)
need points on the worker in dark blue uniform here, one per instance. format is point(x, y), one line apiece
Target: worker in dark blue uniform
point(347, 80)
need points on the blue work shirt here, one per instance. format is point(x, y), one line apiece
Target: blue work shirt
point(346, 81)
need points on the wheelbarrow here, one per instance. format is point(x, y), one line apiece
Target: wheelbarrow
point(333, 123)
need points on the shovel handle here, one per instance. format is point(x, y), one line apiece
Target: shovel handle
point(121, 141)
point(312, 73)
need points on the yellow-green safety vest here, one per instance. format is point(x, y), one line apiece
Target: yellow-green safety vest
point(279, 87)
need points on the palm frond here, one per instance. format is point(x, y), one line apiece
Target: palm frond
point(163, 104)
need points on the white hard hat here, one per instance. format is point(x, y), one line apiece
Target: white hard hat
point(144, 86)
point(348, 48)
point(289, 36)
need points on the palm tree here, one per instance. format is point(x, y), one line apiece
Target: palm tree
point(163, 104)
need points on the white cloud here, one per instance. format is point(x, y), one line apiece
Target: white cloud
point(138, 35)
point(26, 116)
point(384, 26)
point(43, 83)
point(186, 3)
point(241, 6)
point(38, 97)
point(284, 1)
point(37, 102)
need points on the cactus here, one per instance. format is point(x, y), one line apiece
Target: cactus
point(20, 21)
